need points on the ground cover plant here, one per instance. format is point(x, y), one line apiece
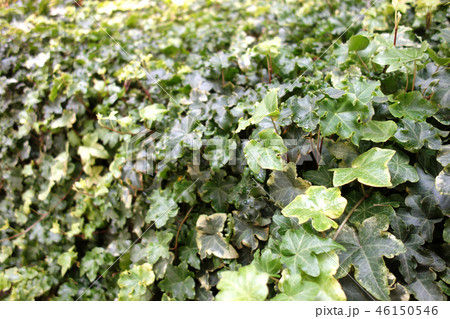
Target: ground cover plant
point(224, 150)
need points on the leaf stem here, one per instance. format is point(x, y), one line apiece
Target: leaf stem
point(365, 66)
point(269, 67)
point(414, 77)
point(146, 92)
point(349, 215)
point(223, 79)
point(274, 126)
point(179, 229)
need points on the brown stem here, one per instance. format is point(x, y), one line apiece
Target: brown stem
point(269, 68)
point(147, 93)
point(365, 66)
point(274, 126)
point(349, 215)
point(395, 35)
point(179, 229)
point(414, 77)
point(223, 79)
point(429, 20)
point(406, 87)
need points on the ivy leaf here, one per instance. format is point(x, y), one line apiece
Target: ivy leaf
point(217, 152)
point(397, 58)
point(247, 232)
point(292, 287)
point(425, 287)
point(304, 110)
point(162, 208)
point(267, 107)
point(329, 287)
point(189, 252)
point(153, 112)
point(319, 204)
point(357, 42)
point(210, 240)
point(414, 254)
point(65, 260)
point(91, 148)
point(438, 60)
point(364, 91)
point(299, 250)
point(133, 283)
point(321, 177)
point(443, 182)
point(400, 169)
point(378, 131)
point(365, 250)
point(284, 185)
point(246, 284)
point(412, 106)
point(443, 155)
point(369, 168)
point(422, 214)
point(216, 190)
point(259, 156)
point(157, 246)
point(414, 135)
point(92, 261)
point(267, 262)
point(178, 282)
point(342, 118)
point(66, 120)
point(375, 205)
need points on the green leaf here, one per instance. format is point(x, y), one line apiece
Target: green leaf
point(246, 284)
point(217, 189)
point(304, 110)
point(370, 168)
point(365, 250)
point(378, 131)
point(247, 232)
point(443, 182)
point(414, 135)
point(153, 112)
point(440, 61)
point(66, 260)
point(217, 152)
point(425, 287)
point(292, 287)
point(443, 155)
point(189, 252)
point(375, 205)
point(412, 106)
point(397, 58)
point(299, 250)
point(92, 261)
point(357, 43)
point(259, 156)
point(415, 252)
point(210, 240)
point(66, 120)
point(179, 282)
point(423, 214)
point(284, 185)
point(133, 283)
point(319, 204)
point(342, 118)
point(267, 262)
point(162, 208)
point(267, 107)
point(329, 287)
point(400, 169)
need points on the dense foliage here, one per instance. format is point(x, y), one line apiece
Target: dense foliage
point(224, 150)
